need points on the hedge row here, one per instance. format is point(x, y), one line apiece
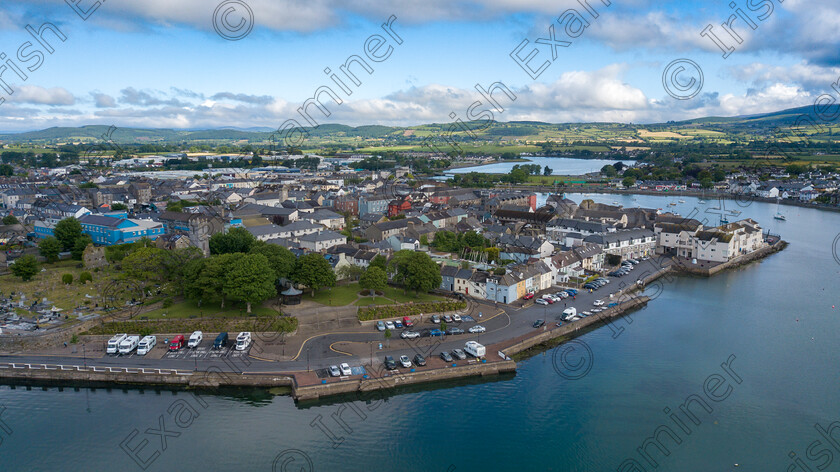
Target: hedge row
point(284, 324)
point(409, 309)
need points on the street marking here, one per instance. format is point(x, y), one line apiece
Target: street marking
point(326, 334)
point(340, 352)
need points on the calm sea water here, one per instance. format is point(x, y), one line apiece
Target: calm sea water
point(558, 165)
point(776, 317)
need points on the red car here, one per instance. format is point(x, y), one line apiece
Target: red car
point(407, 322)
point(529, 296)
point(549, 300)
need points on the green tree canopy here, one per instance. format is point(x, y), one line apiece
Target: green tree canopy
point(235, 240)
point(282, 260)
point(313, 271)
point(207, 278)
point(67, 231)
point(10, 220)
point(79, 246)
point(415, 270)
point(374, 278)
point(609, 170)
point(49, 248)
point(26, 267)
point(250, 279)
point(145, 264)
point(379, 261)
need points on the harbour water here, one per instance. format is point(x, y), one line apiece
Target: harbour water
point(558, 165)
point(773, 324)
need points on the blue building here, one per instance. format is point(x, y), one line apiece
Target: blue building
point(109, 231)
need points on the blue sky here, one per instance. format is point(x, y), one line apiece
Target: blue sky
point(162, 64)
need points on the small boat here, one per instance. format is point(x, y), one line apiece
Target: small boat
point(724, 221)
point(780, 216)
point(615, 203)
point(682, 201)
point(672, 204)
point(734, 212)
point(702, 202)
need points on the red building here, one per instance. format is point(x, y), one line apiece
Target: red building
point(399, 206)
point(347, 204)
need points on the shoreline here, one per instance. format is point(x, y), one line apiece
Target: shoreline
point(307, 387)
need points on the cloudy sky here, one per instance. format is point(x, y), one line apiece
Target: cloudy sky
point(210, 64)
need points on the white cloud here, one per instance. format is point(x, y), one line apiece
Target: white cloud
point(35, 95)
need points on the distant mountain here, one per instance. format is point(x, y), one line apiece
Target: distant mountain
point(497, 130)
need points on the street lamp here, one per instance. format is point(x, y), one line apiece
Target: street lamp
point(307, 359)
point(84, 354)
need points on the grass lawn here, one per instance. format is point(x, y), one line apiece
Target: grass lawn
point(397, 295)
point(340, 295)
point(189, 309)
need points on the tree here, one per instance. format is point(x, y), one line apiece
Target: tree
point(374, 279)
point(443, 326)
point(235, 240)
point(85, 277)
point(548, 171)
point(313, 271)
point(118, 206)
point(609, 170)
point(387, 336)
point(10, 220)
point(207, 278)
point(350, 271)
point(281, 260)
point(145, 264)
point(79, 246)
point(379, 261)
point(26, 267)
point(250, 279)
point(416, 271)
point(628, 181)
point(67, 279)
point(493, 254)
point(176, 262)
point(49, 247)
point(67, 231)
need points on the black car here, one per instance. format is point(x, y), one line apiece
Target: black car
point(390, 364)
point(419, 360)
point(454, 331)
point(539, 323)
point(445, 356)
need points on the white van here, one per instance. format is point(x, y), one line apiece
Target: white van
point(114, 343)
point(474, 349)
point(146, 345)
point(195, 339)
point(129, 344)
point(243, 341)
point(569, 313)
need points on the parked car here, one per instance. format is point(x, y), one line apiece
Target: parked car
point(409, 334)
point(435, 319)
point(390, 325)
point(548, 299)
point(459, 354)
point(474, 349)
point(380, 326)
point(389, 363)
point(177, 343)
point(398, 324)
point(528, 296)
point(477, 329)
point(563, 295)
point(539, 323)
point(345, 369)
point(541, 301)
point(419, 360)
point(454, 330)
point(407, 322)
point(445, 356)
point(405, 362)
point(447, 318)
point(598, 302)
point(195, 339)
point(435, 332)
point(456, 318)
point(334, 372)
point(146, 345)
point(221, 341)
point(571, 291)
point(243, 340)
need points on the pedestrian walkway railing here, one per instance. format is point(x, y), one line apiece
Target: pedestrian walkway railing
point(92, 368)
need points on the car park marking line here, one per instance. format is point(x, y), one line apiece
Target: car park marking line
point(324, 334)
point(340, 352)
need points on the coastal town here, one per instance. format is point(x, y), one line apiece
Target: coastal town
point(328, 248)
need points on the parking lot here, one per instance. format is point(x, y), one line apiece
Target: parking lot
point(205, 351)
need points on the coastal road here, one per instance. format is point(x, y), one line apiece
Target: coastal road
point(503, 322)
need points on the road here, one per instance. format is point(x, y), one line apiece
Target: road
point(503, 322)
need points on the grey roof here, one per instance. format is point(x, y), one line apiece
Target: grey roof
point(619, 236)
point(464, 274)
point(301, 225)
point(263, 230)
point(100, 220)
point(322, 236)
